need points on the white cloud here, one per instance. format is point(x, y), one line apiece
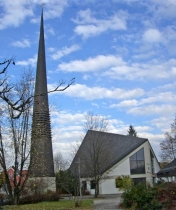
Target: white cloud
point(62, 117)
point(65, 51)
point(51, 31)
point(159, 97)
point(55, 8)
point(163, 123)
point(23, 44)
point(125, 103)
point(28, 62)
point(162, 110)
point(95, 104)
point(96, 92)
point(142, 70)
point(14, 13)
point(86, 77)
point(141, 129)
point(165, 87)
point(162, 9)
point(116, 68)
point(174, 71)
point(51, 49)
point(91, 93)
point(140, 104)
point(97, 63)
point(90, 26)
point(152, 35)
point(67, 133)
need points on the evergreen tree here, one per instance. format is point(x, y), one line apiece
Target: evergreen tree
point(132, 131)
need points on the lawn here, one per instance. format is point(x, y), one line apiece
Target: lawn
point(56, 205)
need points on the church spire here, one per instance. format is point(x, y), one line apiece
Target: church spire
point(41, 164)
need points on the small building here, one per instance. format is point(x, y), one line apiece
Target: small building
point(116, 155)
point(168, 173)
point(19, 178)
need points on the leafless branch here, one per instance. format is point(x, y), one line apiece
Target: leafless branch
point(7, 63)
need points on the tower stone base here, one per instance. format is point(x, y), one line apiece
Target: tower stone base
point(42, 184)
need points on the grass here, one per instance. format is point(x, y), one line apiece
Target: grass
point(56, 205)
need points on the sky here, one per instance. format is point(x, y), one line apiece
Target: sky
point(120, 52)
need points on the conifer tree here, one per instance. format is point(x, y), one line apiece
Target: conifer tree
point(131, 131)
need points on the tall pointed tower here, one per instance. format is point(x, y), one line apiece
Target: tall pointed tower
point(41, 165)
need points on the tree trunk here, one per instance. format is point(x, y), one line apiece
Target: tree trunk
point(96, 189)
point(16, 199)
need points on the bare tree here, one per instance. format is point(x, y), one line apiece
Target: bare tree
point(15, 138)
point(60, 164)
point(95, 122)
point(73, 150)
point(96, 156)
point(168, 145)
point(15, 127)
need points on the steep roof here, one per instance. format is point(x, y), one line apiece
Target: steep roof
point(169, 170)
point(118, 146)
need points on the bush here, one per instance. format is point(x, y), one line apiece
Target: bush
point(167, 195)
point(124, 182)
point(86, 192)
point(140, 197)
point(160, 197)
point(51, 196)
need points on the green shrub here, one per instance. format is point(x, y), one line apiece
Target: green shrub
point(140, 197)
point(118, 181)
point(160, 197)
point(124, 182)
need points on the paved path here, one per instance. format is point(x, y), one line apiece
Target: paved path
point(107, 202)
point(104, 202)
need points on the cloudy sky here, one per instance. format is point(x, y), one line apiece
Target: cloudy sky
point(122, 54)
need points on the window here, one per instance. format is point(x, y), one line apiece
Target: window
point(92, 184)
point(84, 185)
point(152, 162)
point(137, 162)
point(137, 181)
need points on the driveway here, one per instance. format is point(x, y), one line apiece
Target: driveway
point(107, 202)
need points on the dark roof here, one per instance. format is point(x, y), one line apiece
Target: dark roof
point(118, 146)
point(169, 170)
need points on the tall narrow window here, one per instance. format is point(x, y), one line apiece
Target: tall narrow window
point(137, 162)
point(92, 184)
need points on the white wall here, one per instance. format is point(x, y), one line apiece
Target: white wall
point(92, 191)
point(157, 167)
point(109, 187)
point(121, 168)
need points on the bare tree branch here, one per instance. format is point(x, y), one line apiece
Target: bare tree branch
point(20, 104)
point(7, 63)
point(168, 145)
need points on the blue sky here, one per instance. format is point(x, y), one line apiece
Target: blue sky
point(122, 54)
